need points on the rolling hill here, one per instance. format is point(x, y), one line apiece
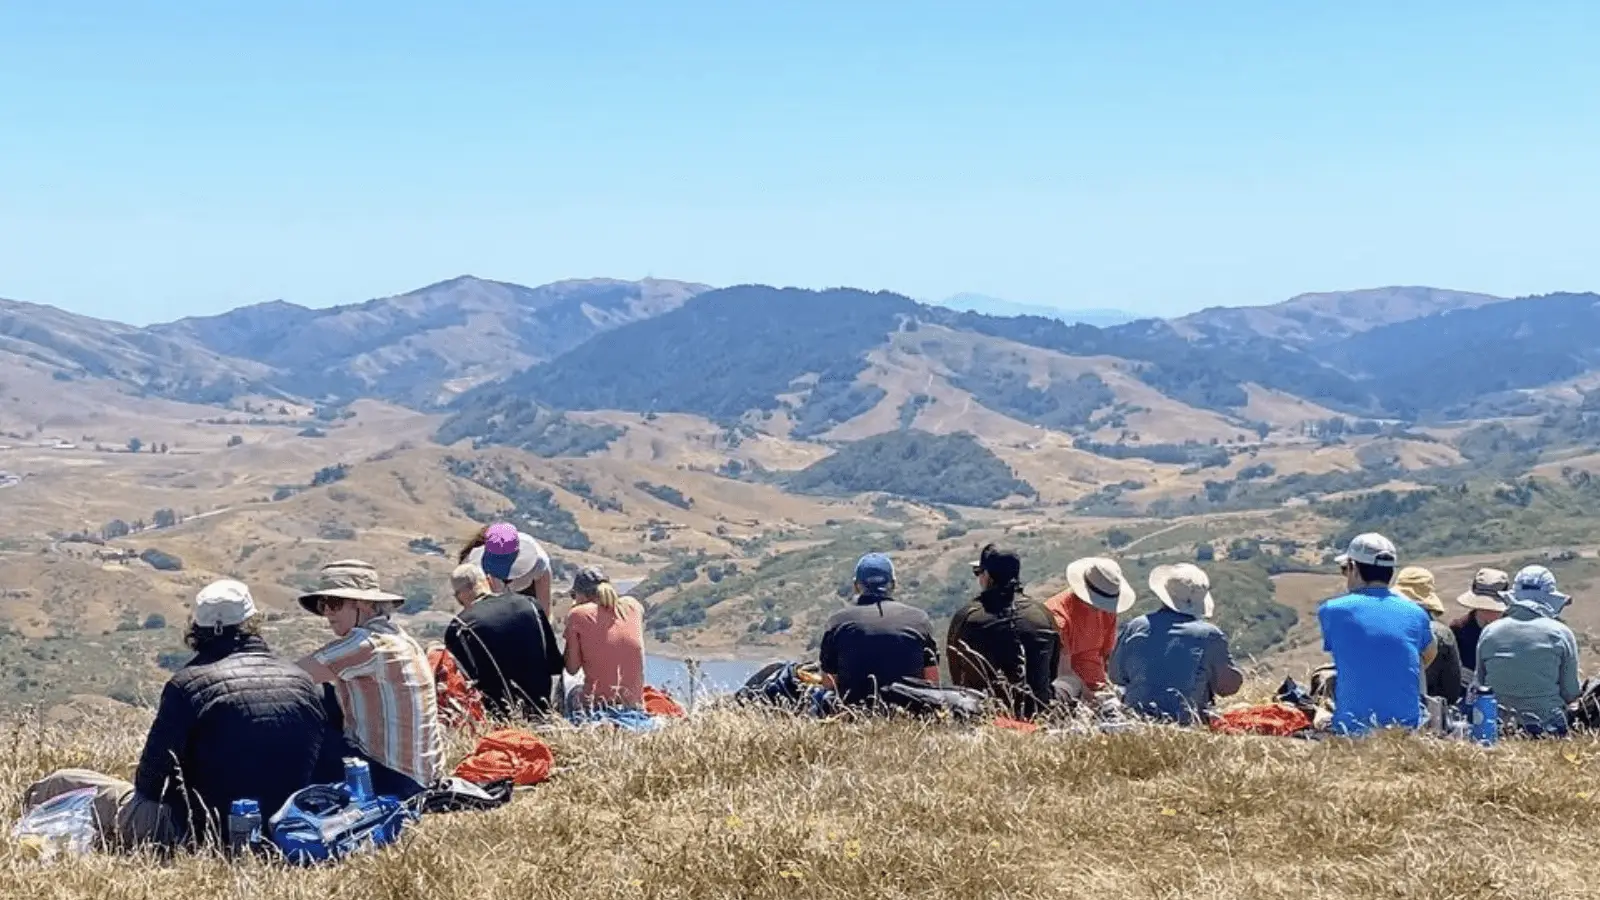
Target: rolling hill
point(424, 347)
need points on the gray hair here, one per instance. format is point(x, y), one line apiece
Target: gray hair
point(469, 576)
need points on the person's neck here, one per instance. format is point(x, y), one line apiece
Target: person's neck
point(1372, 586)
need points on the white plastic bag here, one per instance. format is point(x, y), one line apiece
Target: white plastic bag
point(60, 826)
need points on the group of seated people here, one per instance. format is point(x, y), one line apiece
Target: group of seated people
point(1392, 652)
point(1390, 659)
point(1030, 654)
point(240, 722)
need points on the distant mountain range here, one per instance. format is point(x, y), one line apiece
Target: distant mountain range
point(994, 306)
point(509, 361)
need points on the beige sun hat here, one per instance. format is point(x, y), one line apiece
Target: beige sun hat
point(348, 579)
point(1100, 583)
point(1184, 588)
point(1416, 584)
point(1487, 592)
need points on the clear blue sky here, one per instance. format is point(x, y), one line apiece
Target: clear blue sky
point(159, 159)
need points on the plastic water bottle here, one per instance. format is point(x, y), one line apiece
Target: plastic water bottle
point(358, 776)
point(1485, 717)
point(244, 826)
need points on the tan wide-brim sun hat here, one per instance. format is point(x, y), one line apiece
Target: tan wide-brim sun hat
point(1416, 584)
point(1100, 583)
point(1487, 592)
point(348, 579)
point(1184, 588)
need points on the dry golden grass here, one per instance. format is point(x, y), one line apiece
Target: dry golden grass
point(739, 805)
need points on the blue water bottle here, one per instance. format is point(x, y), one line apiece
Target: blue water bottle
point(1485, 717)
point(358, 776)
point(244, 826)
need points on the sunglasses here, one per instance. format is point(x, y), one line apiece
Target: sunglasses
point(327, 605)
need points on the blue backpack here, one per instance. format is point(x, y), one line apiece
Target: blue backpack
point(325, 822)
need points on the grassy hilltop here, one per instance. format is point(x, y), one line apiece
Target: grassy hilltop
point(744, 806)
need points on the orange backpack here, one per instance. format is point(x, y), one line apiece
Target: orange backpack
point(660, 703)
point(460, 704)
point(508, 753)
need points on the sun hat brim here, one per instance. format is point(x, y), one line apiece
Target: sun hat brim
point(1161, 576)
point(309, 601)
point(1473, 600)
point(1079, 584)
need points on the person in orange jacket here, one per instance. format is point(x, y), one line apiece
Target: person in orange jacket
point(1086, 618)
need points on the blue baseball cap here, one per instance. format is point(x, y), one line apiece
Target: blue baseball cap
point(875, 572)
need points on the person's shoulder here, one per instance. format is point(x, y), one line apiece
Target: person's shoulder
point(905, 609)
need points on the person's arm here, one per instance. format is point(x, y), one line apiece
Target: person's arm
point(930, 655)
point(1227, 678)
point(574, 655)
point(828, 659)
point(553, 654)
point(1571, 688)
point(541, 591)
point(169, 735)
point(955, 651)
point(344, 659)
point(1450, 687)
point(1479, 675)
point(1117, 666)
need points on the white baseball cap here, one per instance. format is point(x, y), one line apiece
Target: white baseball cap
point(1370, 550)
point(224, 603)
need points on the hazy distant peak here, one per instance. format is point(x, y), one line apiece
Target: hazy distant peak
point(995, 306)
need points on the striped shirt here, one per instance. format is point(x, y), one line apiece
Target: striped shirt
point(386, 690)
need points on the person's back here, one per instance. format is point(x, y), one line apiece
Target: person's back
point(1530, 660)
point(255, 729)
point(1377, 638)
point(1086, 636)
point(875, 643)
point(1007, 647)
point(507, 647)
point(609, 641)
point(1170, 665)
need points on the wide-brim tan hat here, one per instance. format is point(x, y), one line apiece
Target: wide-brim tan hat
point(1487, 592)
point(1184, 588)
point(1416, 584)
point(1100, 583)
point(348, 579)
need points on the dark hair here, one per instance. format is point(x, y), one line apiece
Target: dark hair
point(1374, 574)
point(1004, 568)
point(478, 539)
point(200, 636)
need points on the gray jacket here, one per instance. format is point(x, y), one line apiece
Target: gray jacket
point(1530, 659)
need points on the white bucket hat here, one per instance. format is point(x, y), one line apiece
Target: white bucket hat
point(222, 604)
point(1099, 582)
point(1183, 588)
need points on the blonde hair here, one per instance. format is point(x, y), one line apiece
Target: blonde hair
point(606, 597)
point(471, 577)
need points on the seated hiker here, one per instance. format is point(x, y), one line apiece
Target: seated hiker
point(515, 563)
point(1443, 675)
point(1086, 618)
point(1485, 602)
point(235, 723)
point(468, 585)
point(1529, 658)
point(1002, 641)
point(605, 641)
point(381, 678)
point(505, 645)
point(1380, 642)
point(878, 640)
point(1172, 662)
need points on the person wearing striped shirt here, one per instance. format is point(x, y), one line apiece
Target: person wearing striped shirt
point(381, 678)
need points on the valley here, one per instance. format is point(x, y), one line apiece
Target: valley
point(733, 451)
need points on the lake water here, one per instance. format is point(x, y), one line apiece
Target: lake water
point(716, 676)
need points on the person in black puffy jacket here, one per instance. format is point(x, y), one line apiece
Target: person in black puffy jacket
point(236, 722)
